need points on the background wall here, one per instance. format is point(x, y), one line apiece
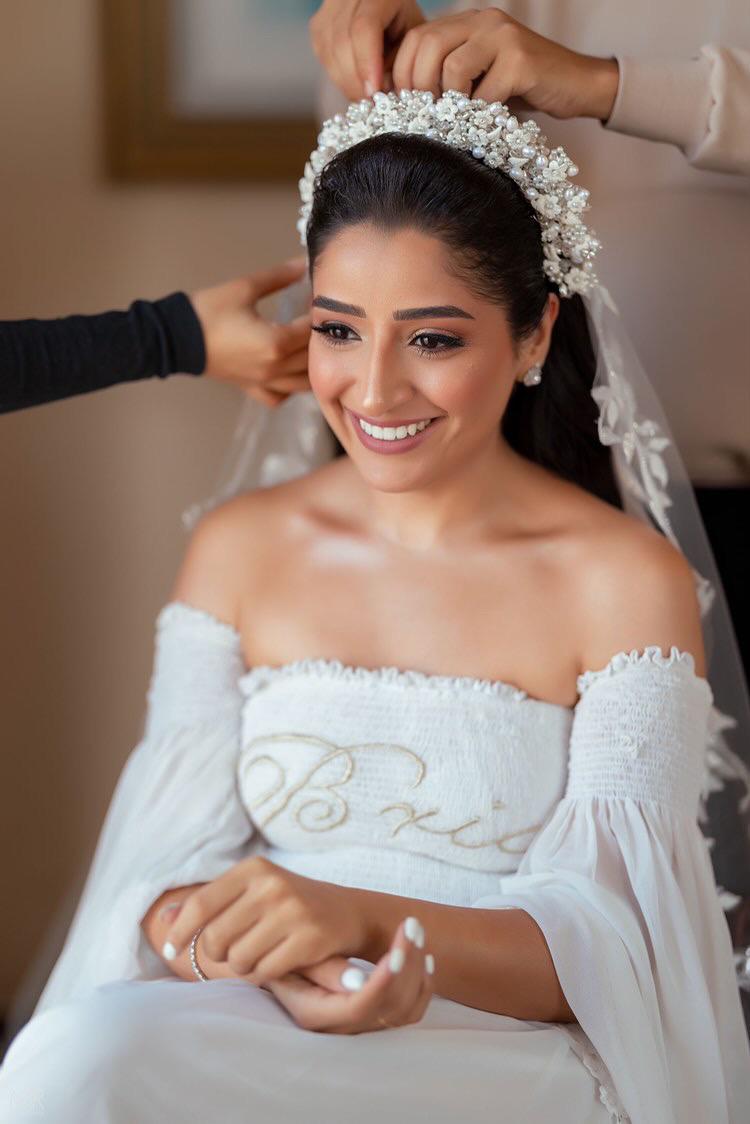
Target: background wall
point(92, 488)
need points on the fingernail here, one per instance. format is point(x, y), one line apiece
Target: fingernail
point(172, 908)
point(369, 87)
point(168, 951)
point(414, 932)
point(353, 979)
point(429, 963)
point(397, 960)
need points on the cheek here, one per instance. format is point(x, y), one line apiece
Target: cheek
point(475, 387)
point(326, 370)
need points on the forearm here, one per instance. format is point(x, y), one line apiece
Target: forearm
point(46, 360)
point(492, 959)
point(698, 104)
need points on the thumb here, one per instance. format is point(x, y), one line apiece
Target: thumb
point(328, 974)
point(277, 277)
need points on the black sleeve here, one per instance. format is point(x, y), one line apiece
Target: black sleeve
point(43, 360)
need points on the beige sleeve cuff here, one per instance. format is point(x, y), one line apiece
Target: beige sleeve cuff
point(700, 104)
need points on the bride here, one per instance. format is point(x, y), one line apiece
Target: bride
point(416, 802)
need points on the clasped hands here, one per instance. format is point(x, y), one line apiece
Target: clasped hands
point(291, 935)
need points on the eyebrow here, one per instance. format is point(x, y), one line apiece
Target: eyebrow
point(442, 311)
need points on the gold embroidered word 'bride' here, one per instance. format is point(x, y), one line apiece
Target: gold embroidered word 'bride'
point(335, 809)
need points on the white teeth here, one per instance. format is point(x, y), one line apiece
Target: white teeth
point(394, 434)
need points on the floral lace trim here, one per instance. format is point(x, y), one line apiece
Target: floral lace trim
point(407, 677)
point(651, 654)
point(589, 1058)
point(390, 676)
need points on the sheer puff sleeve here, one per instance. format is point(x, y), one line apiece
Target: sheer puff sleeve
point(620, 881)
point(175, 817)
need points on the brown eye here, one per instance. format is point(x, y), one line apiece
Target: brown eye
point(429, 343)
point(335, 333)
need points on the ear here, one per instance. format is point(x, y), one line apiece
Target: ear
point(536, 346)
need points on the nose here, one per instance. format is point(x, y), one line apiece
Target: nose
point(384, 388)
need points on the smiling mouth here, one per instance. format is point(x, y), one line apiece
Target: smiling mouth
point(394, 438)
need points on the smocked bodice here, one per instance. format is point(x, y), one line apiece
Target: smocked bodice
point(419, 784)
point(346, 770)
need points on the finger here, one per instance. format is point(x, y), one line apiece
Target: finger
point(340, 52)
point(367, 37)
point(400, 995)
point(198, 909)
point(462, 67)
point(291, 384)
point(283, 386)
point(229, 926)
point(308, 1003)
point(338, 974)
point(251, 947)
point(266, 397)
point(295, 334)
point(335, 973)
point(426, 992)
point(277, 277)
point(497, 85)
point(403, 62)
point(428, 63)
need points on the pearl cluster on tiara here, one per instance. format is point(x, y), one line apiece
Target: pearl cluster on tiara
point(492, 134)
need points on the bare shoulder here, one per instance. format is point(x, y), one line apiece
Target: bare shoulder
point(635, 590)
point(234, 548)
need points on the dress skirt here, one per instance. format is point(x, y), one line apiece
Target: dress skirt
point(225, 1052)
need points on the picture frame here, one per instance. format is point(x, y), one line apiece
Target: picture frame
point(148, 135)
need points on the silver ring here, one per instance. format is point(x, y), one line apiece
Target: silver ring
point(194, 959)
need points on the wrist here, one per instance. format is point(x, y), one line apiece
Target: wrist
point(380, 914)
point(201, 303)
point(604, 80)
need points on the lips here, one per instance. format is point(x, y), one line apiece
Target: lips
point(389, 448)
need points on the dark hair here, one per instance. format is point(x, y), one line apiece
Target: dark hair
point(494, 239)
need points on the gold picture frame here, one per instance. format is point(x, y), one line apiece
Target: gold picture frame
point(147, 139)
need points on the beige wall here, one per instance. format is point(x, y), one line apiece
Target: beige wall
point(92, 488)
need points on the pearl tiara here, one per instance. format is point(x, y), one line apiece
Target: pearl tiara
point(492, 134)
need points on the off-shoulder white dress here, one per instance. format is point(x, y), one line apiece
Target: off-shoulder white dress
point(454, 790)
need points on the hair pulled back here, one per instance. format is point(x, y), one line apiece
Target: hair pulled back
point(493, 236)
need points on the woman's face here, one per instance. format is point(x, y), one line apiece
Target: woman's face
point(398, 339)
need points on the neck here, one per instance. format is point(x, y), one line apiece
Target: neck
point(456, 505)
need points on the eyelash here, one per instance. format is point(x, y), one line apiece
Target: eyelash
point(449, 342)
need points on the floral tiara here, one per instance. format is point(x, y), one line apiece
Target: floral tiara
point(492, 134)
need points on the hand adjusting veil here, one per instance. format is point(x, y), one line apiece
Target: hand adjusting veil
point(270, 446)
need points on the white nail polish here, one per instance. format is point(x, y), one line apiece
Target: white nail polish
point(353, 979)
point(396, 962)
point(429, 963)
point(169, 951)
point(414, 932)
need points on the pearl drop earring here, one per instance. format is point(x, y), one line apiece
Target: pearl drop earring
point(533, 376)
